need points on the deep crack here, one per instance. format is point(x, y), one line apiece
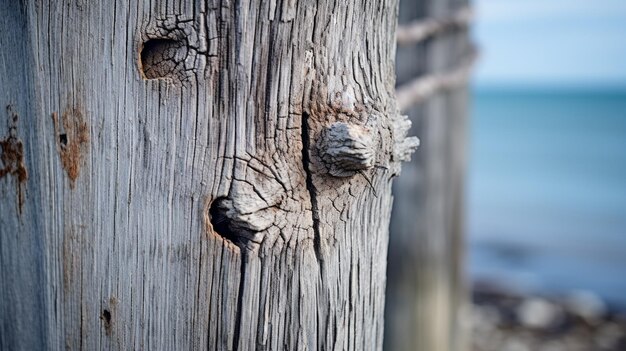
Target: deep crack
point(306, 159)
point(237, 331)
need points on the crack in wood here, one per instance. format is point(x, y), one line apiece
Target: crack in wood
point(239, 313)
point(310, 187)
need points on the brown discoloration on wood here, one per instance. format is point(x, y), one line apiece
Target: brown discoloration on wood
point(72, 138)
point(12, 157)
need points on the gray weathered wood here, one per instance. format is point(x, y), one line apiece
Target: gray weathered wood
point(162, 187)
point(424, 87)
point(424, 28)
point(425, 287)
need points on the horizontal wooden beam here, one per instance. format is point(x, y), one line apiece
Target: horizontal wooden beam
point(423, 29)
point(421, 88)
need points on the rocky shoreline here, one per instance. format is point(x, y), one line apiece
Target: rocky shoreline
point(511, 321)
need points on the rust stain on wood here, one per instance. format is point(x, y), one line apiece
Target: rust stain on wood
point(12, 157)
point(72, 138)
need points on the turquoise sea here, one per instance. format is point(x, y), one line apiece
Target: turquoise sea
point(546, 196)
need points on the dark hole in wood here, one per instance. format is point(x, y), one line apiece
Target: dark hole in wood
point(63, 139)
point(160, 58)
point(106, 316)
point(220, 222)
point(106, 321)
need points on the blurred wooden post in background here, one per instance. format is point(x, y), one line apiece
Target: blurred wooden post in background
point(426, 294)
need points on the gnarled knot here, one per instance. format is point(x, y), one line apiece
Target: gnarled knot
point(229, 221)
point(346, 149)
point(246, 214)
point(403, 146)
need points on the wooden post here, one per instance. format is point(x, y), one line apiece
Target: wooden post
point(425, 287)
point(196, 174)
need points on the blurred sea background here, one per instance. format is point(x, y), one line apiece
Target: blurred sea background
point(547, 190)
point(546, 193)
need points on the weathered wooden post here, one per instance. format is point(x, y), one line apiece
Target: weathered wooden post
point(425, 288)
point(196, 174)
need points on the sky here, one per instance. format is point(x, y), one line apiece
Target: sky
point(551, 42)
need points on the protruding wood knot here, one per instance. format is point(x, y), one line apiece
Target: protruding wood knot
point(247, 213)
point(403, 146)
point(229, 221)
point(347, 149)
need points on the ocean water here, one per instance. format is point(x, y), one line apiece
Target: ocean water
point(546, 196)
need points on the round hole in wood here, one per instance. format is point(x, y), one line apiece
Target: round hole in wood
point(162, 58)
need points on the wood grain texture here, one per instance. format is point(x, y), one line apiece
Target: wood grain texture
point(175, 196)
